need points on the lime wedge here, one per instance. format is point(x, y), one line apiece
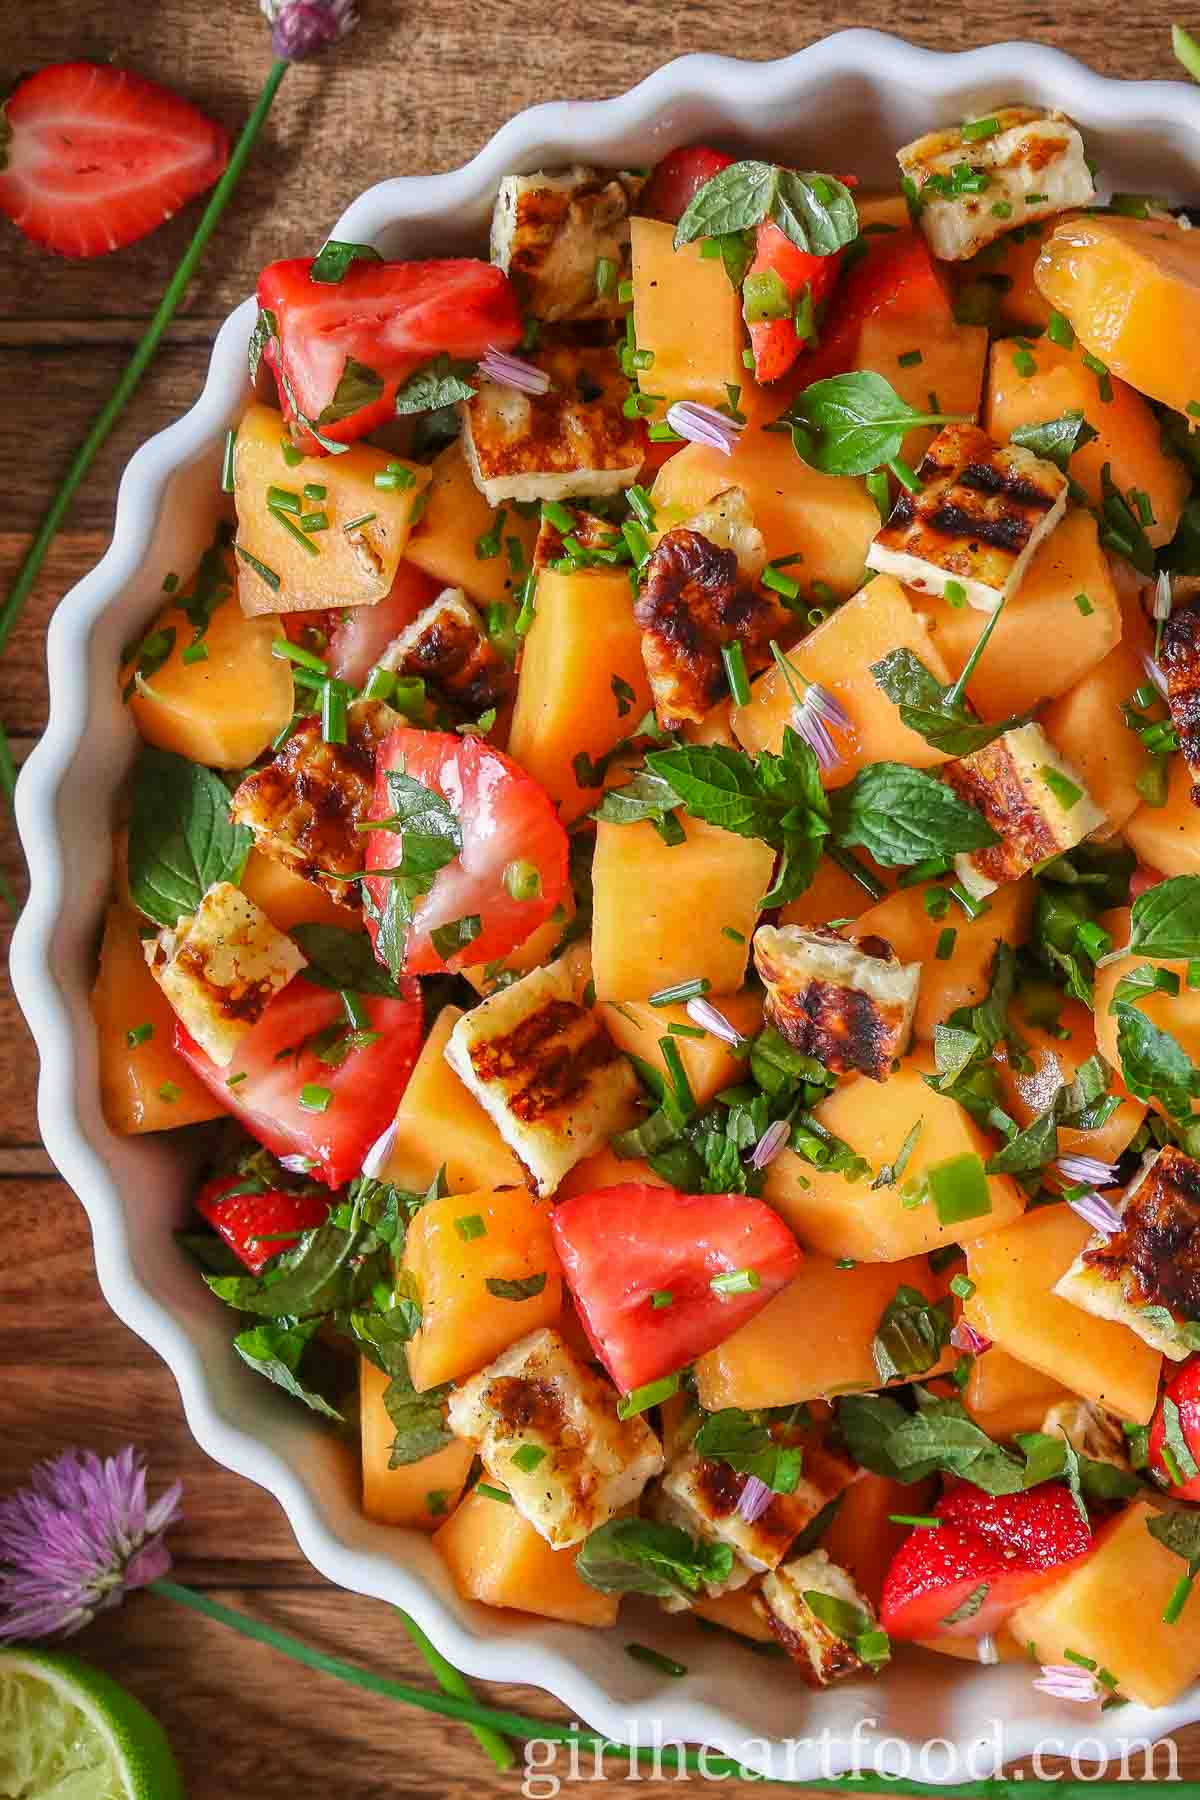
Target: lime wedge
point(69, 1733)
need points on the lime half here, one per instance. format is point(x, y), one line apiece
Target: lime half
point(69, 1733)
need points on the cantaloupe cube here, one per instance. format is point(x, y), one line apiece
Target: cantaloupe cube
point(456, 517)
point(964, 977)
point(1009, 262)
point(862, 1538)
point(811, 1340)
point(662, 912)
point(1166, 837)
point(843, 1218)
point(839, 655)
point(604, 1168)
point(1015, 672)
point(710, 1064)
point(287, 898)
point(1014, 1272)
point(1005, 1396)
point(713, 728)
point(537, 949)
point(582, 656)
point(688, 315)
point(1131, 289)
point(831, 894)
point(1048, 1061)
point(950, 369)
point(463, 1322)
point(439, 1123)
point(143, 1086)
point(1110, 1609)
point(494, 1555)
point(1082, 723)
point(736, 1611)
point(1128, 435)
point(225, 709)
point(827, 520)
point(966, 1649)
point(352, 567)
point(1178, 1014)
point(418, 1494)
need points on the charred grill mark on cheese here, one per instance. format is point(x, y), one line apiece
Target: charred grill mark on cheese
point(693, 602)
point(546, 1061)
point(1159, 1244)
point(1181, 663)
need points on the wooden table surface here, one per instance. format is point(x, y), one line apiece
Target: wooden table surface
point(419, 88)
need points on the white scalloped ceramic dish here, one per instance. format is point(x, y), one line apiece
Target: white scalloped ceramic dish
point(843, 103)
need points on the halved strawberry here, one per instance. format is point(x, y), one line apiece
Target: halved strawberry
point(360, 635)
point(92, 158)
point(965, 1576)
point(258, 1226)
point(1184, 1390)
point(677, 180)
point(388, 318)
point(775, 341)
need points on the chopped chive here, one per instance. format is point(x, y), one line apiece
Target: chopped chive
point(380, 684)
point(233, 1080)
point(936, 901)
point(290, 526)
point(1023, 362)
point(283, 499)
point(692, 1031)
point(1060, 331)
point(169, 1092)
point(662, 1297)
point(1001, 209)
point(606, 276)
point(362, 519)
point(1178, 1600)
point(408, 694)
point(227, 461)
point(528, 1457)
point(291, 455)
point(1065, 791)
point(974, 129)
point(315, 490)
point(640, 1399)
point(881, 494)
point(1081, 1662)
point(738, 937)
point(846, 1262)
point(959, 1189)
point(470, 1226)
point(654, 1659)
point(1036, 199)
point(736, 1281)
point(909, 359)
point(138, 1034)
point(170, 582)
point(260, 569)
point(638, 542)
point(492, 1493)
point(681, 991)
point(1084, 604)
point(780, 583)
point(522, 881)
point(314, 1098)
point(296, 653)
point(314, 521)
point(927, 1520)
point(333, 712)
point(525, 617)
point(955, 593)
point(945, 944)
point(1093, 939)
point(194, 653)
point(394, 477)
point(1100, 371)
point(624, 292)
point(905, 475)
point(735, 673)
point(962, 1286)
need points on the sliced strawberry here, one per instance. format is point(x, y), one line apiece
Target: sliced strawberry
point(282, 1058)
point(1008, 1545)
point(775, 342)
point(677, 180)
point(360, 635)
point(388, 317)
point(621, 1246)
point(1184, 1390)
point(258, 1226)
point(92, 158)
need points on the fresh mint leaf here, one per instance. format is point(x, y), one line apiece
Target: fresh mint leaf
point(1165, 920)
point(816, 1528)
point(640, 1556)
point(275, 1349)
point(891, 1173)
point(420, 1419)
point(911, 1335)
point(719, 785)
point(1155, 1065)
point(431, 837)
point(336, 257)
point(939, 1438)
point(526, 1289)
point(181, 837)
point(455, 935)
point(1056, 440)
point(815, 212)
point(1031, 1149)
point(334, 1267)
point(439, 383)
point(209, 1252)
point(344, 960)
point(647, 796)
point(743, 1440)
point(900, 816)
point(1180, 1533)
point(358, 386)
point(1175, 1440)
point(266, 326)
point(853, 424)
point(925, 708)
point(966, 1609)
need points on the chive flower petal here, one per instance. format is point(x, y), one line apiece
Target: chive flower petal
point(964, 1337)
point(1097, 1212)
point(703, 1012)
point(513, 371)
point(770, 1144)
point(704, 425)
point(303, 28)
point(1088, 1169)
point(1064, 1681)
point(753, 1500)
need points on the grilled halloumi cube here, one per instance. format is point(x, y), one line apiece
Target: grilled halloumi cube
point(538, 1396)
point(550, 233)
point(822, 1653)
point(1031, 796)
point(1033, 165)
point(1147, 1275)
point(304, 807)
point(666, 1510)
point(575, 439)
point(588, 532)
point(706, 1494)
point(546, 1072)
point(1180, 660)
point(221, 966)
point(1089, 1430)
point(448, 647)
point(850, 1006)
point(981, 512)
point(698, 596)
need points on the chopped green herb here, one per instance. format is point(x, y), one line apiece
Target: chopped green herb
point(470, 1226)
point(138, 1034)
point(736, 1281)
point(528, 1457)
point(314, 1098)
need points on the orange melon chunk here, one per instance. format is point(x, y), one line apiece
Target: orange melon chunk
point(287, 898)
point(1085, 723)
point(710, 1064)
point(844, 1218)
point(439, 1123)
point(1005, 1396)
point(862, 1538)
point(831, 894)
point(1010, 261)
point(1014, 1272)
point(604, 1168)
point(494, 1555)
point(736, 1611)
point(537, 949)
point(1168, 837)
point(839, 654)
point(418, 1494)
point(456, 516)
point(688, 316)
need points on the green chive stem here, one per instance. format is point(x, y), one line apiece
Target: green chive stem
point(955, 693)
point(452, 1682)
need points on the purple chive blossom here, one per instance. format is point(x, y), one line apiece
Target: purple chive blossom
point(1088, 1169)
point(77, 1540)
point(703, 425)
point(753, 1500)
point(986, 1648)
point(1155, 671)
point(512, 371)
point(964, 1337)
point(770, 1144)
point(1065, 1681)
point(812, 718)
point(303, 28)
point(1097, 1212)
point(375, 1161)
point(703, 1013)
point(296, 1165)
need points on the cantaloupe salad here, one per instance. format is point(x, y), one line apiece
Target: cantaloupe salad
point(661, 892)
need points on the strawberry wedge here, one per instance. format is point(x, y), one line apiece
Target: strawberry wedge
point(92, 158)
point(376, 327)
point(989, 1553)
point(775, 341)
